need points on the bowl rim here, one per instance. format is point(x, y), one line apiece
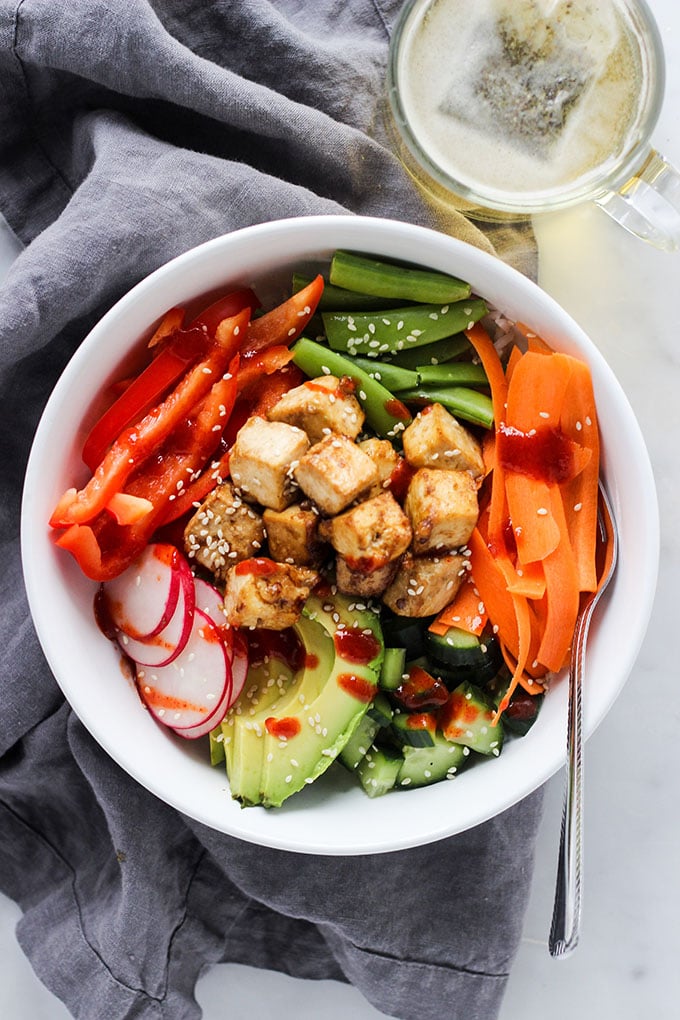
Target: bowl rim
point(282, 828)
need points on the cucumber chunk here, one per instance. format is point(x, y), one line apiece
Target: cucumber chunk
point(378, 770)
point(425, 765)
point(467, 718)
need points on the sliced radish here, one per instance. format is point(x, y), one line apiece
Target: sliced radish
point(190, 690)
point(162, 648)
point(142, 600)
point(209, 600)
point(239, 664)
point(201, 729)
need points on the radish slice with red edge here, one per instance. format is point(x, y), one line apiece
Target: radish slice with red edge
point(142, 600)
point(209, 600)
point(239, 664)
point(164, 647)
point(189, 691)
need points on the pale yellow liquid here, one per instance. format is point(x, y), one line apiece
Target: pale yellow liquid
point(521, 97)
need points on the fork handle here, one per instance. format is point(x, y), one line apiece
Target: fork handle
point(566, 919)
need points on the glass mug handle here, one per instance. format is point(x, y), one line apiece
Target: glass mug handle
point(648, 204)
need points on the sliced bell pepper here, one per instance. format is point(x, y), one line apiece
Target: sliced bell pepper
point(285, 323)
point(225, 308)
point(102, 546)
point(132, 448)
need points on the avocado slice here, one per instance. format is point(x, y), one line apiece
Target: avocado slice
point(305, 737)
point(289, 740)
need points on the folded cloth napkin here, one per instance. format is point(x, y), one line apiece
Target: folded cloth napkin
point(131, 131)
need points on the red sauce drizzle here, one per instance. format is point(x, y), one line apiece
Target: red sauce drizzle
point(310, 384)
point(284, 729)
point(258, 566)
point(397, 409)
point(356, 686)
point(281, 644)
point(545, 454)
point(365, 564)
point(400, 479)
point(355, 646)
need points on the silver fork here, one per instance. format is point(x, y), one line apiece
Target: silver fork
point(566, 919)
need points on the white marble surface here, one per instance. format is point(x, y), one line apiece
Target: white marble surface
point(624, 295)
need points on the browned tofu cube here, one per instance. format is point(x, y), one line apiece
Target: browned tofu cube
point(370, 534)
point(262, 458)
point(435, 439)
point(262, 593)
point(424, 585)
point(363, 583)
point(223, 531)
point(442, 507)
point(321, 406)
point(334, 472)
point(293, 535)
point(385, 458)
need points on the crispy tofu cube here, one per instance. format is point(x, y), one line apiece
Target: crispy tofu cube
point(262, 593)
point(334, 472)
point(261, 460)
point(370, 534)
point(293, 535)
point(385, 458)
point(423, 585)
point(364, 583)
point(223, 531)
point(321, 406)
point(442, 507)
point(435, 439)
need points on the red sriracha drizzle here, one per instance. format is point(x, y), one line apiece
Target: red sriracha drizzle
point(284, 729)
point(355, 646)
point(357, 687)
point(546, 454)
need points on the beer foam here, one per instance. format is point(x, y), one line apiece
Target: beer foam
point(520, 95)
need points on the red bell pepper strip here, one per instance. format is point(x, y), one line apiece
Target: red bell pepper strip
point(136, 444)
point(285, 323)
point(143, 393)
point(103, 547)
point(225, 308)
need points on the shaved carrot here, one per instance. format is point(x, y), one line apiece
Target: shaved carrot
point(492, 365)
point(467, 611)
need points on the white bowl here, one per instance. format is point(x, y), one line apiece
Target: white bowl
point(331, 816)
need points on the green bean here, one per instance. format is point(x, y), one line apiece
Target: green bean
point(436, 353)
point(470, 405)
point(337, 299)
point(386, 415)
point(455, 373)
point(377, 333)
point(384, 279)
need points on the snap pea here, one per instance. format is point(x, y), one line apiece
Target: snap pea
point(386, 415)
point(394, 377)
point(337, 299)
point(470, 405)
point(455, 373)
point(436, 353)
point(384, 279)
point(377, 333)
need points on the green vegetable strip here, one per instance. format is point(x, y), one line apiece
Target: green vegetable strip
point(394, 377)
point(377, 333)
point(436, 353)
point(383, 279)
point(337, 299)
point(470, 405)
point(386, 415)
point(457, 373)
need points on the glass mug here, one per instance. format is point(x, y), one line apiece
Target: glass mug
point(508, 108)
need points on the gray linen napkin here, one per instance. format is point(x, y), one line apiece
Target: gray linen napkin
point(130, 131)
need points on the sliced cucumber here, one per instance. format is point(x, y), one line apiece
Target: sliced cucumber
point(467, 718)
point(425, 765)
point(416, 729)
point(459, 655)
point(378, 770)
point(393, 668)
